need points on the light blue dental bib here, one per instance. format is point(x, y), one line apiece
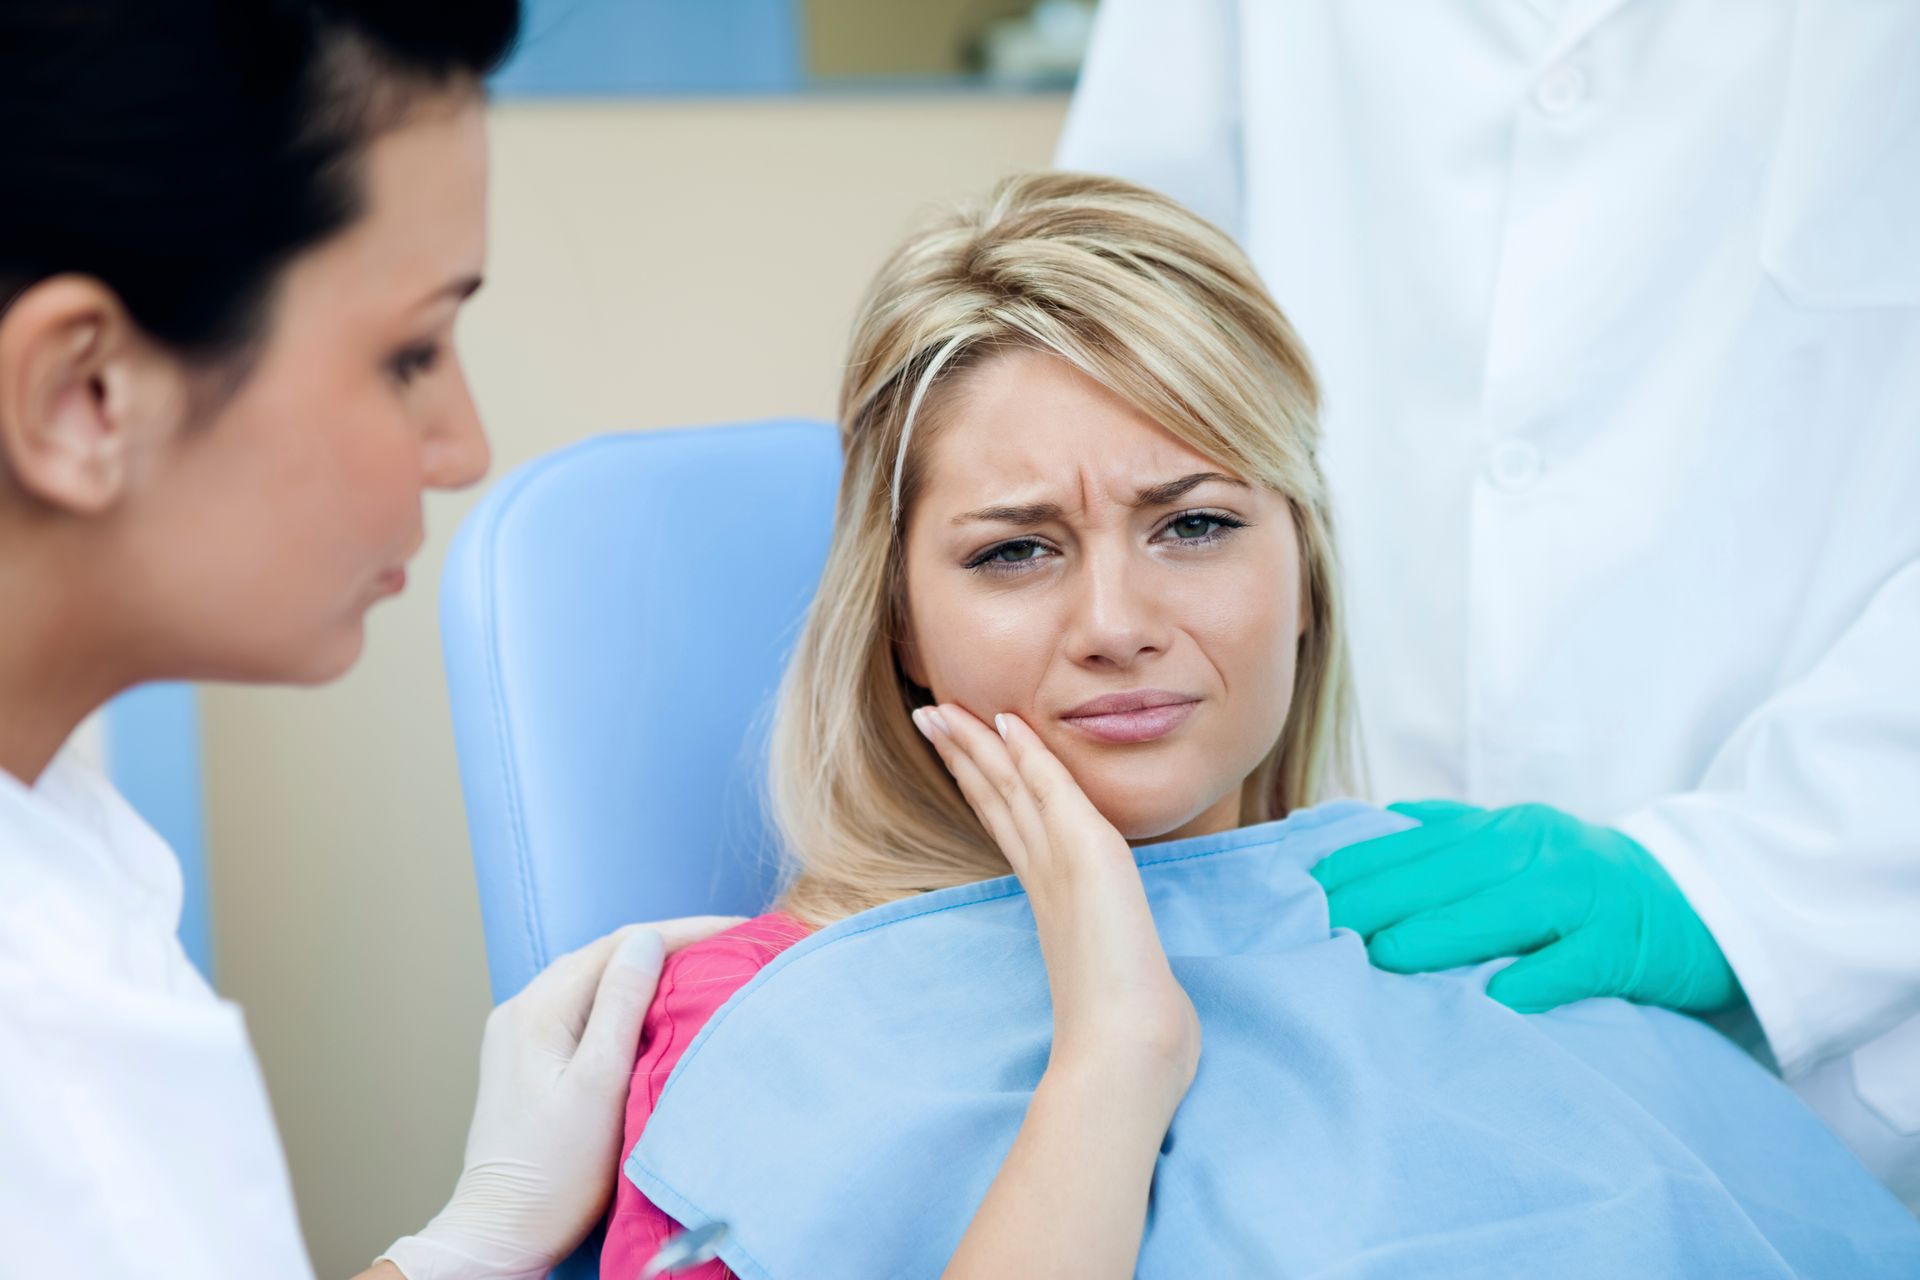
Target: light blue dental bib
point(846, 1110)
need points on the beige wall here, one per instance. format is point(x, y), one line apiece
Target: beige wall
point(652, 265)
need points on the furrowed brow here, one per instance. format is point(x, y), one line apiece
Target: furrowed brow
point(1158, 495)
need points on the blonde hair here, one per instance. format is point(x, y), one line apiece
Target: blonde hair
point(1153, 303)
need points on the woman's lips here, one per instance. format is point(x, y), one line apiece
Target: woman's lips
point(1142, 725)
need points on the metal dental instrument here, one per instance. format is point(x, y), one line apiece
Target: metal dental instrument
point(685, 1249)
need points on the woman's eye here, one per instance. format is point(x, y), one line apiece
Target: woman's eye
point(1202, 526)
point(1192, 526)
point(412, 362)
point(1007, 554)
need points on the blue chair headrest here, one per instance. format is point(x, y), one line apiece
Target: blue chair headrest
point(616, 617)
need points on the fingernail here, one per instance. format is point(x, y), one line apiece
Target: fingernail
point(937, 720)
point(1000, 723)
point(920, 722)
point(644, 950)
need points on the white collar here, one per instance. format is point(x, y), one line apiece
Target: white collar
point(71, 826)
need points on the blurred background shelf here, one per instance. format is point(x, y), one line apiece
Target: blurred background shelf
point(705, 48)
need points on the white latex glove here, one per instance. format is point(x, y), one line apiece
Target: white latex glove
point(554, 1069)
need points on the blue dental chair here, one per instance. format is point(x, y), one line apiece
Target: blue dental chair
point(615, 618)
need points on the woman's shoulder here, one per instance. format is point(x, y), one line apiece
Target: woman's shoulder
point(695, 981)
point(741, 951)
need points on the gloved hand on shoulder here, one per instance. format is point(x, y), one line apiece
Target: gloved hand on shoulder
point(1587, 909)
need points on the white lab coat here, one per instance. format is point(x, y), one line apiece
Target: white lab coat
point(1617, 311)
point(135, 1134)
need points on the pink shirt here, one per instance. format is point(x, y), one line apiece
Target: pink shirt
point(694, 983)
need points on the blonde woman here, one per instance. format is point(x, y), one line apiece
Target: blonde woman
point(1080, 623)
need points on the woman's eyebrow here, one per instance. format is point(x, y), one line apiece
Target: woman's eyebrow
point(1026, 513)
point(459, 290)
point(1158, 495)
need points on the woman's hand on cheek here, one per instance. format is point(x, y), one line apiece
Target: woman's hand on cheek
point(1115, 999)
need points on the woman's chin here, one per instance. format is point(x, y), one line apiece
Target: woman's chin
point(307, 661)
point(1150, 813)
point(1167, 791)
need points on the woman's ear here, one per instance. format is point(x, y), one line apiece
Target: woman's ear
point(82, 389)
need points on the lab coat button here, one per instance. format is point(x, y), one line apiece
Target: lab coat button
point(1513, 466)
point(1561, 89)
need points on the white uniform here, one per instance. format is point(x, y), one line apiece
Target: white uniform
point(135, 1135)
point(1617, 308)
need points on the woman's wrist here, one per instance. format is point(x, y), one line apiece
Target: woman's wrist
point(1137, 1089)
point(1144, 1046)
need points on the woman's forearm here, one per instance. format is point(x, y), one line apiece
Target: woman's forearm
point(1071, 1197)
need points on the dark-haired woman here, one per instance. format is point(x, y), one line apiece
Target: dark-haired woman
point(233, 240)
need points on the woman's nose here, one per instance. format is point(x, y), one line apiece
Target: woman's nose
point(456, 450)
point(1116, 617)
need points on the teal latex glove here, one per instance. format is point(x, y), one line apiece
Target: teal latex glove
point(1589, 911)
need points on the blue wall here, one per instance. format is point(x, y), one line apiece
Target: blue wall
point(637, 47)
point(153, 756)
